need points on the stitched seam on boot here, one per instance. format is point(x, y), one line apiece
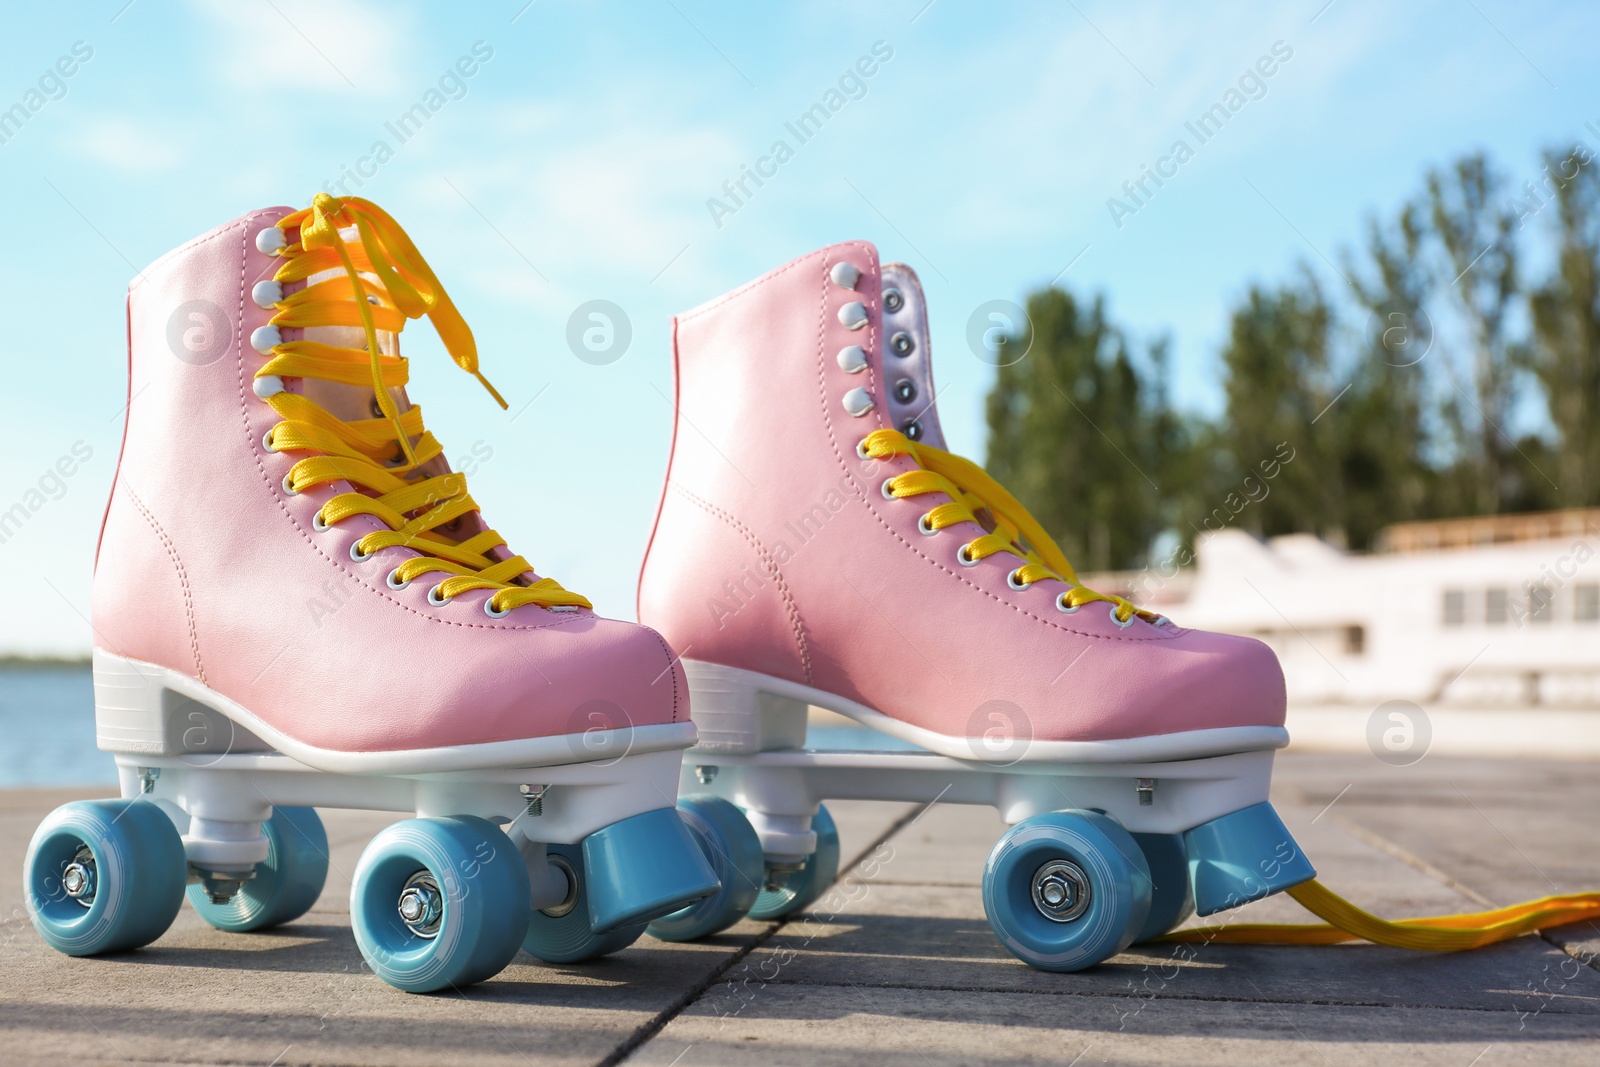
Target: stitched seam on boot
point(183, 574)
point(671, 659)
point(865, 500)
point(790, 607)
point(244, 416)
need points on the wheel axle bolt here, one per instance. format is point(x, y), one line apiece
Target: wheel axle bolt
point(78, 877)
point(412, 906)
point(421, 907)
point(1061, 891)
point(76, 880)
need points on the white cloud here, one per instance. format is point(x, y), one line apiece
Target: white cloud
point(127, 145)
point(581, 200)
point(312, 45)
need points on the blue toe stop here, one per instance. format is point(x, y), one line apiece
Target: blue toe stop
point(642, 868)
point(1243, 857)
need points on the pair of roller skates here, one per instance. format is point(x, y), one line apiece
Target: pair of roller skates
point(298, 604)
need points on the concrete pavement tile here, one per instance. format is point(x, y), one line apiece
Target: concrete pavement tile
point(947, 846)
point(879, 927)
point(898, 961)
point(1504, 830)
point(845, 1024)
point(936, 938)
point(301, 994)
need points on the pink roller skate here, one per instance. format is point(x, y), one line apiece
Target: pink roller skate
point(815, 545)
point(297, 603)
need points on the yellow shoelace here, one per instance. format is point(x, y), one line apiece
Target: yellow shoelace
point(379, 455)
point(971, 490)
point(1439, 933)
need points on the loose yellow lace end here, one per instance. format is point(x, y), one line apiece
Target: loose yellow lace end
point(404, 274)
point(1343, 921)
point(420, 511)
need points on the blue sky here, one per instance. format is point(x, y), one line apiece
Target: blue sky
point(577, 162)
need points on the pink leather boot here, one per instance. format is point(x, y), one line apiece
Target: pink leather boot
point(816, 546)
point(296, 602)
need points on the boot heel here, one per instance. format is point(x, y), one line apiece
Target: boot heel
point(734, 715)
point(128, 707)
point(135, 713)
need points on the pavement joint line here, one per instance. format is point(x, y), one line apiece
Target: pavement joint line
point(1410, 859)
point(1113, 994)
point(1590, 960)
point(1291, 1022)
point(648, 1030)
point(920, 1054)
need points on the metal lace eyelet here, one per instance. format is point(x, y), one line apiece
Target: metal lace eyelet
point(271, 240)
point(893, 300)
point(358, 555)
point(861, 449)
point(394, 581)
point(853, 316)
point(888, 489)
point(318, 524)
point(436, 599)
point(964, 556)
point(926, 528)
point(288, 484)
point(1065, 607)
point(266, 441)
point(266, 338)
point(1122, 624)
point(267, 294)
point(1014, 582)
point(488, 609)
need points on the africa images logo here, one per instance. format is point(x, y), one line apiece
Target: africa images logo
point(198, 332)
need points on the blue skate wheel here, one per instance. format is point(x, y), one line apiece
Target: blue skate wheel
point(1066, 890)
point(561, 934)
point(104, 876)
point(734, 852)
point(439, 903)
point(802, 888)
point(1170, 900)
point(285, 885)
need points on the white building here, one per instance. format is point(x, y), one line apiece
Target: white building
point(1499, 610)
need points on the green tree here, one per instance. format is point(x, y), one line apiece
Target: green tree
point(1379, 422)
point(1071, 433)
point(1278, 385)
point(1565, 350)
point(1474, 224)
